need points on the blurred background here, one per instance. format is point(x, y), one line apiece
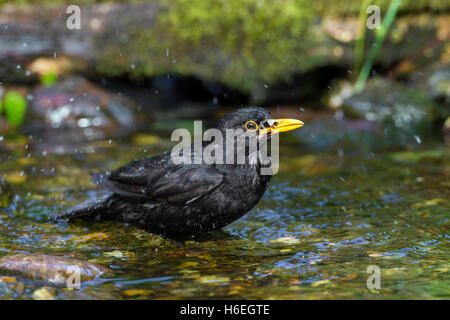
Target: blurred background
point(371, 159)
point(131, 63)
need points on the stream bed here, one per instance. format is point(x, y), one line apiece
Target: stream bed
point(325, 218)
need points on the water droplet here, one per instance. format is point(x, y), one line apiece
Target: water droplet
point(418, 140)
point(97, 121)
point(84, 122)
point(339, 115)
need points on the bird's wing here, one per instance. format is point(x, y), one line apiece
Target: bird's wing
point(158, 178)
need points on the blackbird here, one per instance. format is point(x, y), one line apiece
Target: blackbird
point(169, 197)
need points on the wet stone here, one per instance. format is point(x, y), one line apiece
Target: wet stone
point(343, 135)
point(405, 114)
point(75, 110)
point(384, 100)
point(52, 269)
point(435, 80)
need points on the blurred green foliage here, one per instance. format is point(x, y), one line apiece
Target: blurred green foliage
point(48, 79)
point(245, 44)
point(15, 106)
point(352, 7)
point(338, 7)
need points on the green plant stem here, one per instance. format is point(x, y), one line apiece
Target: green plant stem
point(375, 49)
point(359, 44)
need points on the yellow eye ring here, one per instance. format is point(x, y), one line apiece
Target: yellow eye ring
point(251, 129)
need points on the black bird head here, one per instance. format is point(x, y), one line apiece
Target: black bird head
point(246, 132)
point(239, 138)
point(256, 120)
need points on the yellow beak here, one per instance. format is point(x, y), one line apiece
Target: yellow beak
point(281, 125)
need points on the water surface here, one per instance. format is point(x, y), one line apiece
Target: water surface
point(322, 222)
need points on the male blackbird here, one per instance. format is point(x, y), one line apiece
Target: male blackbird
point(167, 197)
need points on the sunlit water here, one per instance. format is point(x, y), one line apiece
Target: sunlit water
point(323, 221)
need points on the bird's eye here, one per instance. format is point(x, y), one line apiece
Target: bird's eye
point(251, 126)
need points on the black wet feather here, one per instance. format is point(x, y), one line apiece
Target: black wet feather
point(172, 199)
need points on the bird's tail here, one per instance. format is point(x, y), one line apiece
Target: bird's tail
point(86, 212)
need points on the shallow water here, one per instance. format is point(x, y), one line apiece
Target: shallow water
point(323, 221)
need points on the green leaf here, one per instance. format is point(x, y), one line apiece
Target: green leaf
point(49, 79)
point(15, 106)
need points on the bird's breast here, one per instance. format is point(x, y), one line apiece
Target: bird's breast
point(239, 193)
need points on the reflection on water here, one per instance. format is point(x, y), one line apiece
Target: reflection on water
point(321, 223)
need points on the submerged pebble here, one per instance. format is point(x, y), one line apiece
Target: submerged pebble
point(286, 240)
point(44, 293)
point(53, 269)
